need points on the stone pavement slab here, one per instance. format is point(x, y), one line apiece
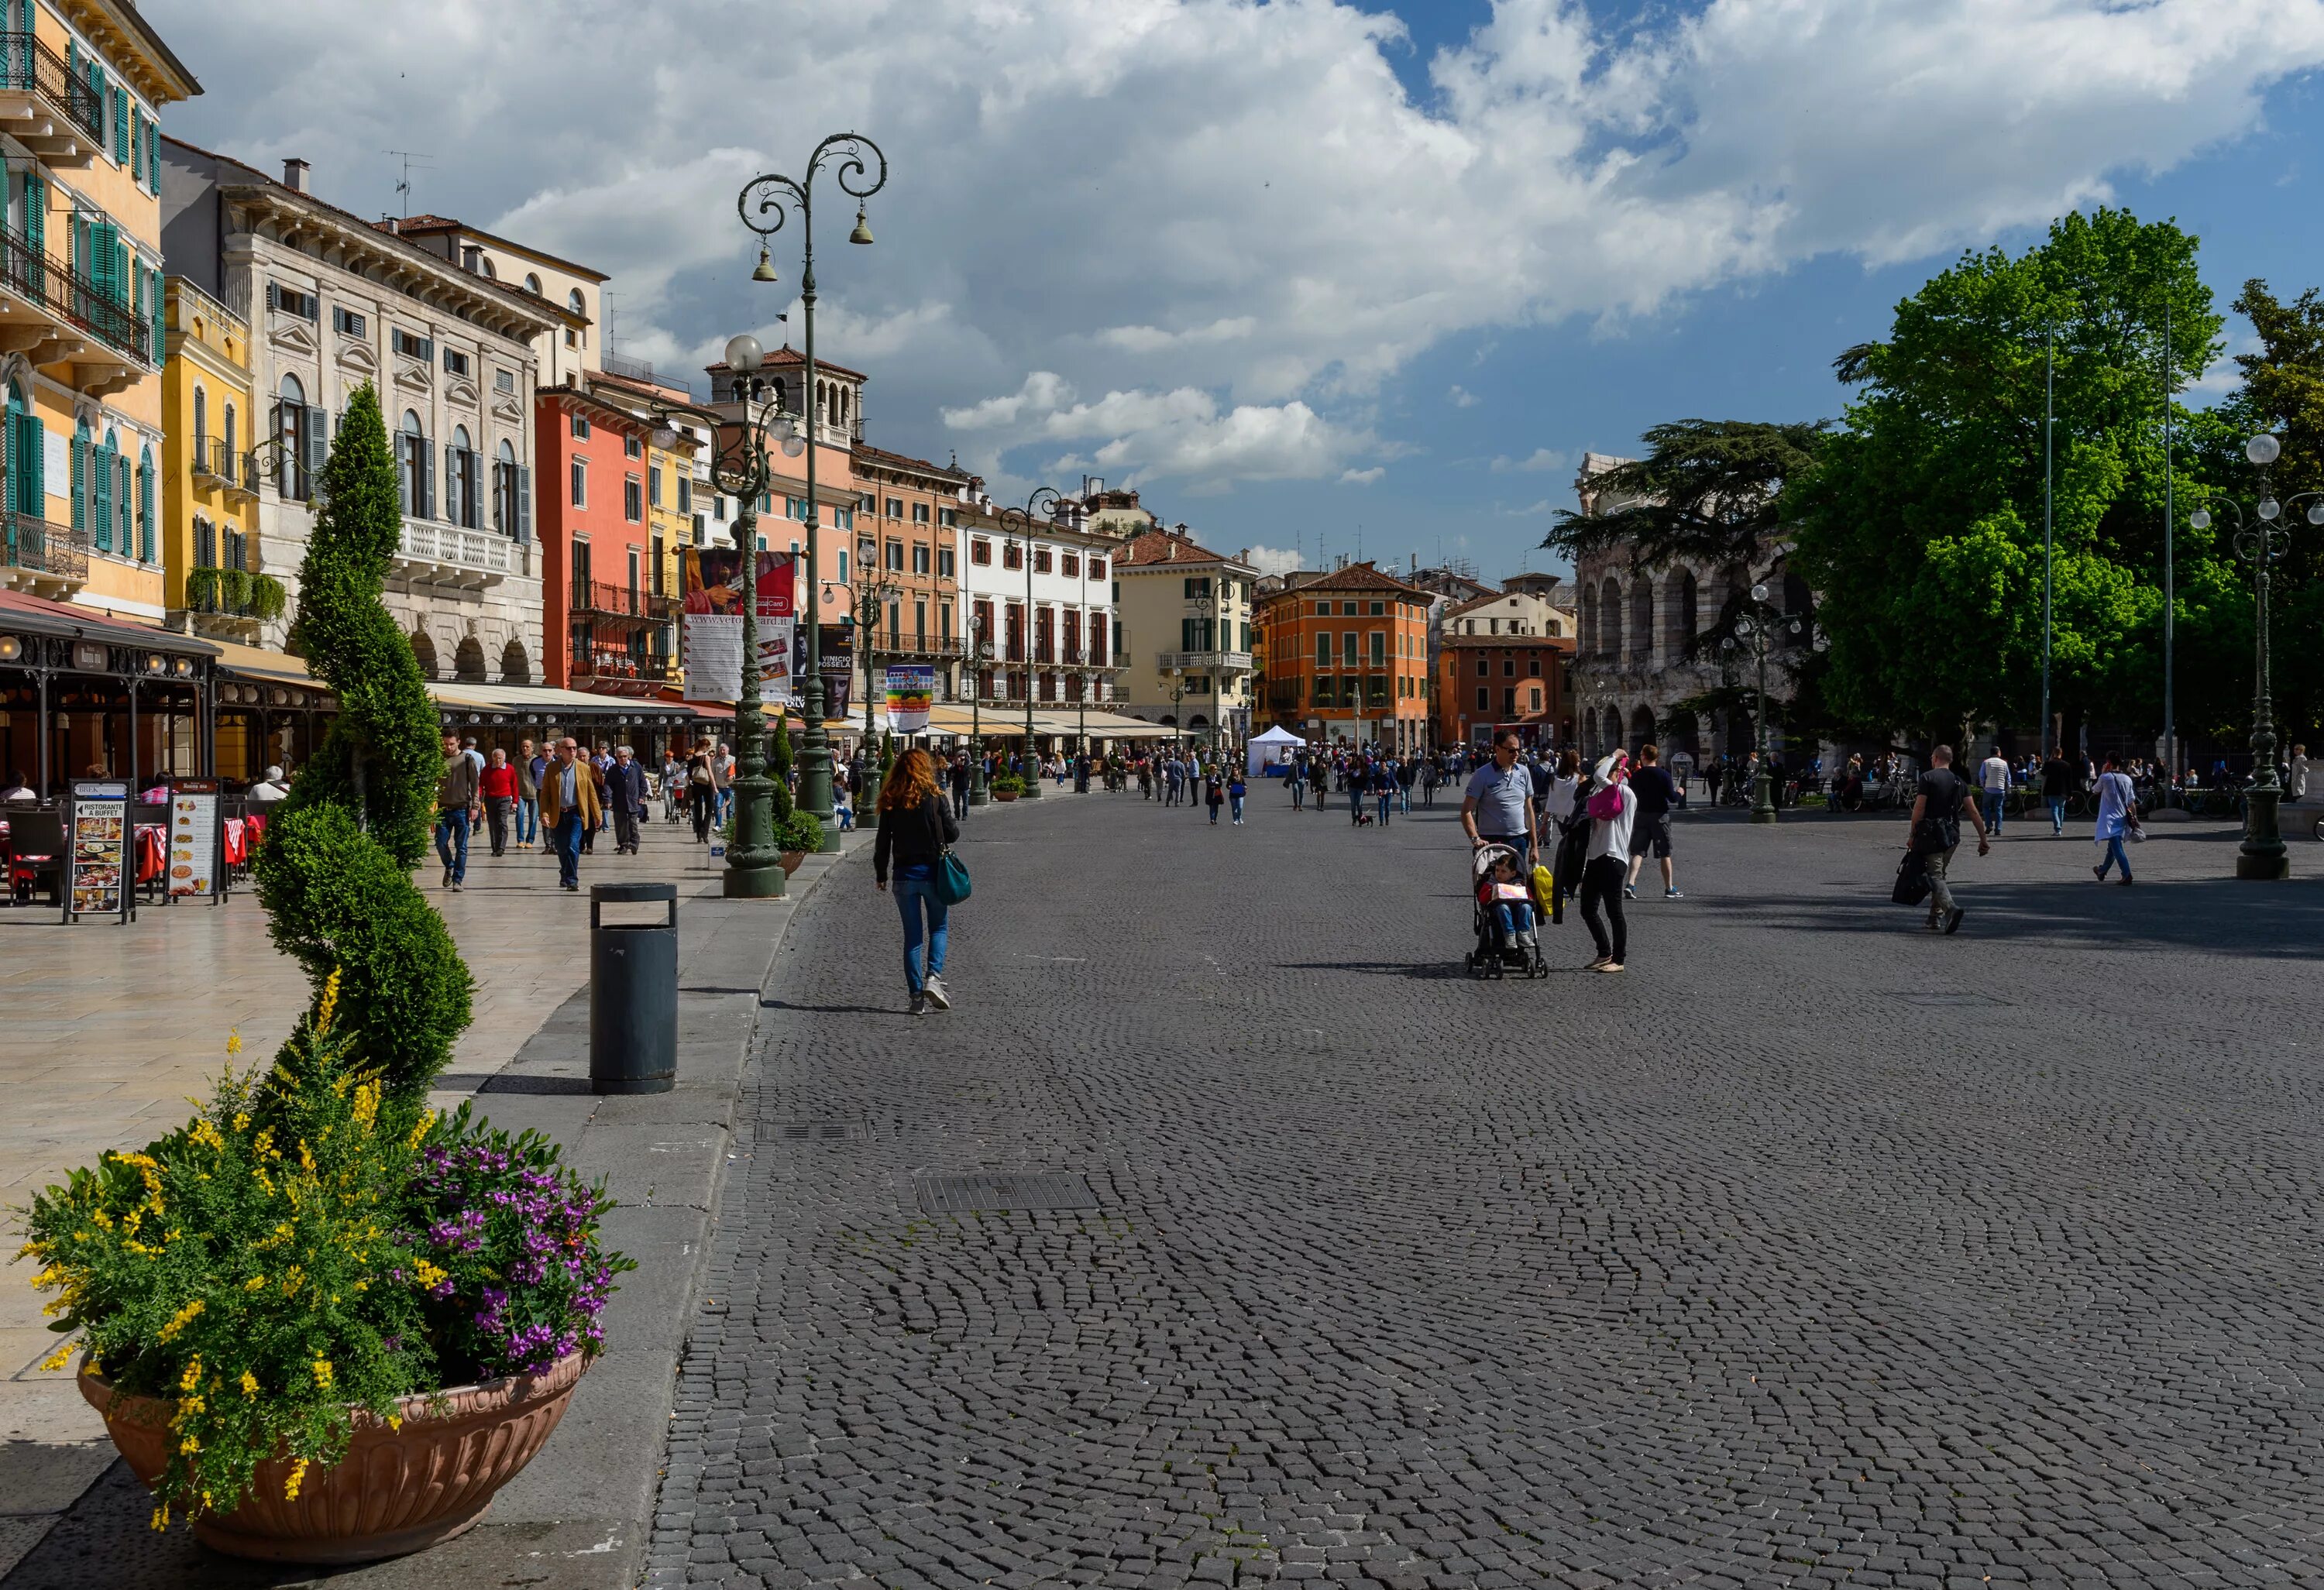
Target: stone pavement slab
point(1811, 1249)
point(576, 1515)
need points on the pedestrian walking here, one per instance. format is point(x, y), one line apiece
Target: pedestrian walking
point(1497, 807)
point(457, 809)
point(1384, 787)
point(527, 794)
point(2057, 783)
point(959, 778)
point(498, 787)
point(1994, 781)
point(1213, 794)
point(1297, 777)
point(569, 808)
point(625, 795)
point(1613, 812)
point(1650, 833)
point(1236, 790)
point(2117, 818)
point(722, 780)
point(916, 824)
point(701, 792)
point(1935, 833)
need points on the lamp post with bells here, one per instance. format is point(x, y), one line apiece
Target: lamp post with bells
point(861, 171)
point(1039, 509)
point(740, 467)
point(1178, 720)
point(2261, 543)
point(979, 658)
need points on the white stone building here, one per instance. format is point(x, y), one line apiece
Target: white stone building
point(1070, 644)
point(1637, 628)
point(334, 301)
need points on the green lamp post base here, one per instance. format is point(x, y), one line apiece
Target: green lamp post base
point(2261, 858)
point(1763, 799)
point(754, 883)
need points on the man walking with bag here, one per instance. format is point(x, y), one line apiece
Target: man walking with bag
point(1936, 834)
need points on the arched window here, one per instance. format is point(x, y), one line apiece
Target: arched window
point(505, 490)
point(781, 394)
point(575, 302)
point(145, 547)
point(229, 433)
point(201, 426)
point(1642, 619)
point(1689, 615)
point(411, 466)
point(1609, 623)
point(486, 261)
point(532, 284)
point(460, 479)
point(27, 455)
point(290, 432)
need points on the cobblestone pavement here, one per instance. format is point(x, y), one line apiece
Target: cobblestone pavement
point(1813, 1250)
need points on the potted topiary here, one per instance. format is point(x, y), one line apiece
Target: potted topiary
point(796, 832)
point(322, 1323)
point(1007, 787)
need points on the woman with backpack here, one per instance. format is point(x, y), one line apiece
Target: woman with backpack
point(1213, 792)
point(1236, 789)
point(1612, 808)
point(916, 826)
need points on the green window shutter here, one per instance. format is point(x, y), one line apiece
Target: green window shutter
point(100, 497)
point(79, 483)
point(153, 154)
point(120, 125)
point(160, 325)
point(122, 263)
point(145, 506)
point(125, 505)
point(36, 467)
point(36, 217)
point(12, 435)
point(137, 146)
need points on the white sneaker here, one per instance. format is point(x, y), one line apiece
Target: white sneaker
point(936, 994)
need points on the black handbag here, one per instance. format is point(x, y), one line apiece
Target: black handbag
point(1911, 880)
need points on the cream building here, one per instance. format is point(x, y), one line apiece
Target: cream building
point(334, 301)
point(1069, 649)
point(1187, 635)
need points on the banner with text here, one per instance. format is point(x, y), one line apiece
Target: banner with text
point(911, 691)
point(712, 602)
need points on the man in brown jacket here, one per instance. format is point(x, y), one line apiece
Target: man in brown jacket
point(569, 808)
point(458, 806)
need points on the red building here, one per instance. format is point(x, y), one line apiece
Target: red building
point(610, 619)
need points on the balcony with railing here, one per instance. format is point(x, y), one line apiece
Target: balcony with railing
point(215, 464)
point(917, 645)
point(452, 555)
point(53, 315)
point(1228, 662)
point(605, 599)
point(615, 670)
point(232, 602)
point(45, 106)
point(45, 559)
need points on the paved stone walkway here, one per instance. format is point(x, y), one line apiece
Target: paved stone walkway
point(1812, 1250)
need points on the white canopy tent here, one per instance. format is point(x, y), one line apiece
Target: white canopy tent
point(1265, 750)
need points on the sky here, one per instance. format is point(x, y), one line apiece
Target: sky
point(1315, 277)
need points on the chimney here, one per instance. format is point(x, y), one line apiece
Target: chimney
point(297, 174)
point(472, 258)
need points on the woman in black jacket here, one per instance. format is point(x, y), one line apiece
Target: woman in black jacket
point(916, 824)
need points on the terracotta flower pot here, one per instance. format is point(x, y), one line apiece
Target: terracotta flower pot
point(396, 1490)
point(1004, 795)
point(790, 861)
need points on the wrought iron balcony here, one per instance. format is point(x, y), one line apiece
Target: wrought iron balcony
point(616, 671)
point(45, 106)
point(51, 313)
point(39, 556)
point(216, 463)
point(604, 598)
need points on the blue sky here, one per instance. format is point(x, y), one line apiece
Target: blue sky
point(1312, 274)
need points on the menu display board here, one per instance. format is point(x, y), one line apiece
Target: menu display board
point(101, 881)
point(194, 837)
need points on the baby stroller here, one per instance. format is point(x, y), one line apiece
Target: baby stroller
point(1498, 951)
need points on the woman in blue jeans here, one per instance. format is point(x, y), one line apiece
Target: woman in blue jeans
point(916, 824)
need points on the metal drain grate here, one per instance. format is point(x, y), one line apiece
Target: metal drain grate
point(817, 1131)
point(1032, 1190)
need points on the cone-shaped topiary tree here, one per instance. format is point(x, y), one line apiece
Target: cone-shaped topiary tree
point(335, 873)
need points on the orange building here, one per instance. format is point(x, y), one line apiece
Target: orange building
point(1347, 658)
point(1487, 682)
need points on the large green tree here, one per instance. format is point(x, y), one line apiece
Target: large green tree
point(2284, 392)
point(335, 871)
point(1922, 528)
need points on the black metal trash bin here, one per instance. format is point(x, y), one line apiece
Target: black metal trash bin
point(633, 993)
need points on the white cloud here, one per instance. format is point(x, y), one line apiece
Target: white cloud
point(1461, 397)
point(1272, 560)
point(1539, 459)
point(1153, 198)
point(1361, 477)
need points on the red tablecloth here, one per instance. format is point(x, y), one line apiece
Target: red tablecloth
point(237, 842)
point(152, 852)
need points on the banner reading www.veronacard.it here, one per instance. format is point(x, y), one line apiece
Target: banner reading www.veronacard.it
point(713, 638)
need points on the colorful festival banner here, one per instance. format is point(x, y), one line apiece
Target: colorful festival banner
point(911, 691)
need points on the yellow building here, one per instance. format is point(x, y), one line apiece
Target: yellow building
point(209, 473)
point(81, 336)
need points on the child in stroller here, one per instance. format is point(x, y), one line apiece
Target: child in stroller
point(1506, 937)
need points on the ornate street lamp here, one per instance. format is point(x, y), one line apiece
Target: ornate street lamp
point(869, 594)
point(1039, 509)
point(1763, 784)
point(860, 169)
point(741, 468)
point(2261, 544)
point(980, 657)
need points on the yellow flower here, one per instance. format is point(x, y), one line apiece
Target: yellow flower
point(58, 1359)
point(395, 1422)
point(234, 1042)
point(241, 1120)
point(249, 1384)
point(192, 1377)
point(330, 1003)
point(298, 1474)
point(162, 1516)
point(187, 1407)
point(190, 1445)
point(366, 1103)
point(323, 1374)
point(179, 1320)
point(253, 1283)
point(427, 1119)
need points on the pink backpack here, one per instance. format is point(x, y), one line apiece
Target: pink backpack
point(1606, 804)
